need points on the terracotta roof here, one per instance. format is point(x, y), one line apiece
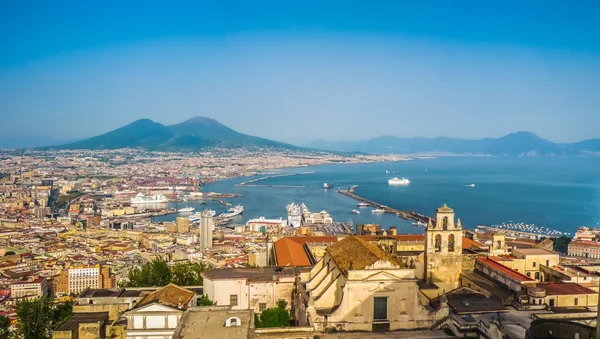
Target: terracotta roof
point(506, 270)
point(170, 295)
point(353, 253)
point(290, 251)
point(469, 243)
point(565, 289)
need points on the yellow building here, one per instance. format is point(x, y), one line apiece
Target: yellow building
point(534, 257)
point(562, 295)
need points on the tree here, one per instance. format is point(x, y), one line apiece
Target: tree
point(34, 319)
point(4, 328)
point(60, 313)
point(204, 301)
point(273, 317)
point(9, 253)
point(154, 273)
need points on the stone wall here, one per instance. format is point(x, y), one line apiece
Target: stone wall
point(468, 261)
point(113, 309)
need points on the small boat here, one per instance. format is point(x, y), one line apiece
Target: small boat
point(396, 181)
point(378, 211)
point(356, 211)
point(363, 204)
point(419, 223)
point(327, 185)
point(186, 209)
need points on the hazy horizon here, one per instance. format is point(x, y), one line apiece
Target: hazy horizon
point(300, 73)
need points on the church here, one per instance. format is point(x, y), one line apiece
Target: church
point(366, 283)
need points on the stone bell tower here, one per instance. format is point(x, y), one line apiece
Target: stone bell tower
point(443, 248)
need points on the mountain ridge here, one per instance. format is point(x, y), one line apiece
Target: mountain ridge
point(522, 143)
point(193, 134)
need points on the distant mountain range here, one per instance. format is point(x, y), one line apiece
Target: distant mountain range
point(191, 135)
point(516, 144)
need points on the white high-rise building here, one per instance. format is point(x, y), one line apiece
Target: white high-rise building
point(206, 227)
point(294, 215)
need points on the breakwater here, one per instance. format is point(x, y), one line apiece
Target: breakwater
point(406, 215)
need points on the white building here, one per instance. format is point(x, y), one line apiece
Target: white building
point(206, 227)
point(262, 224)
point(158, 314)
point(37, 288)
point(83, 278)
point(250, 288)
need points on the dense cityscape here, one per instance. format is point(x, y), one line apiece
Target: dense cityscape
point(78, 240)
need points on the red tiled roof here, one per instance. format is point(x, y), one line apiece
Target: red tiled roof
point(290, 250)
point(506, 270)
point(565, 289)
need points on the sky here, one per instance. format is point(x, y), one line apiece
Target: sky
point(296, 71)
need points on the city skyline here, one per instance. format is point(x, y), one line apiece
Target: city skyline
point(296, 74)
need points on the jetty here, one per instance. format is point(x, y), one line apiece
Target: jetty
point(251, 183)
point(406, 215)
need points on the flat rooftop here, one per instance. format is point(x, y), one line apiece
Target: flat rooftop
point(565, 289)
point(209, 322)
point(83, 318)
point(250, 273)
point(102, 293)
point(532, 251)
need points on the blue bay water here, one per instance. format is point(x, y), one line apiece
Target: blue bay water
point(561, 193)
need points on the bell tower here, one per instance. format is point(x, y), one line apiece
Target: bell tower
point(443, 248)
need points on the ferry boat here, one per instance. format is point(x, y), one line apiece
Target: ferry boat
point(327, 185)
point(355, 211)
point(378, 211)
point(186, 209)
point(232, 212)
point(419, 223)
point(363, 204)
point(198, 215)
point(152, 199)
point(396, 181)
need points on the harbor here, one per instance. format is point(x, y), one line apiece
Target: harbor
point(406, 215)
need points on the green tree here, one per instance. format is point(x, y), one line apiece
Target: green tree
point(273, 317)
point(34, 319)
point(4, 328)
point(60, 313)
point(204, 301)
point(9, 253)
point(154, 273)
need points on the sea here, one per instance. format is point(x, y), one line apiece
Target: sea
point(561, 193)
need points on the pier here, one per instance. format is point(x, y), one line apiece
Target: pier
point(406, 215)
point(250, 183)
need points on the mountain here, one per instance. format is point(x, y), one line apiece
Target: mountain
point(519, 143)
point(191, 135)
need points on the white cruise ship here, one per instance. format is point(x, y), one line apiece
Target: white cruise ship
point(232, 212)
point(378, 211)
point(396, 181)
point(149, 199)
point(186, 210)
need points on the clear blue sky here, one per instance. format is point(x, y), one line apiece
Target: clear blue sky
point(300, 70)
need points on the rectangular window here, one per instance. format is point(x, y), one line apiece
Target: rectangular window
point(576, 301)
point(380, 308)
point(548, 263)
point(551, 302)
point(233, 300)
point(534, 264)
point(262, 307)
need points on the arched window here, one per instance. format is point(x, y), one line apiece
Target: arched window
point(445, 223)
point(438, 243)
point(233, 321)
point(403, 306)
point(358, 308)
point(451, 243)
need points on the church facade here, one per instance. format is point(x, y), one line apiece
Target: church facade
point(367, 285)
